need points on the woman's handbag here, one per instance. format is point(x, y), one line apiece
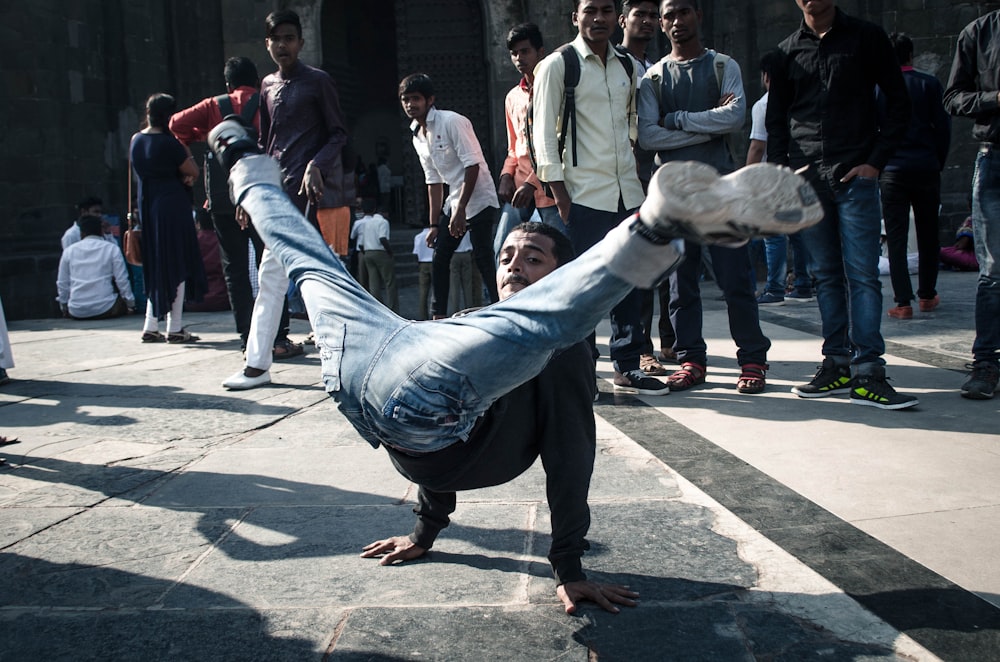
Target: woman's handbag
point(132, 241)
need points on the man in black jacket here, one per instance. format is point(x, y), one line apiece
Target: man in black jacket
point(821, 116)
point(973, 92)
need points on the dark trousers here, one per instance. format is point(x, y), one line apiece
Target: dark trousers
point(588, 226)
point(665, 328)
point(731, 266)
point(234, 249)
point(480, 228)
point(902, 190)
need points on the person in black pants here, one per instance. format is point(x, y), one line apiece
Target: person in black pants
point(912, 178)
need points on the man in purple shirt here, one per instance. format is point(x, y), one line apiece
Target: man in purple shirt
point(301, 124)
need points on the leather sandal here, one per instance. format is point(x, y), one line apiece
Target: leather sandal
point(752, 378)
point(690, 374)
point(153, 336)
point(181, 337)
point(286, 349)
point(649, 365)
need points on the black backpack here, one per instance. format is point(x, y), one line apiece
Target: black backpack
point(570, 80)
point(216, 180)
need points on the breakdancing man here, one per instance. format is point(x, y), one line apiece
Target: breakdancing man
point(446, 398)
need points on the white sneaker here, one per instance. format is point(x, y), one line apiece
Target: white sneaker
point(689, 200)
point(240, 382)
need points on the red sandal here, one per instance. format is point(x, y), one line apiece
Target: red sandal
point(690, 374)
point(752, 378)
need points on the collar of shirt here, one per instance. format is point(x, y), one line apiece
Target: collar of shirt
point(431, 117)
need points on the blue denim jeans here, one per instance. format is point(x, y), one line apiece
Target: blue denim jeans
point(421, 386)
point(986, 235)
point(776, 254)
point(843, 253)
point(511, 217)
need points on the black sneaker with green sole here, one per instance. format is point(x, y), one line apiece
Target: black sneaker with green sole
point(876, 392)
point(830, 378)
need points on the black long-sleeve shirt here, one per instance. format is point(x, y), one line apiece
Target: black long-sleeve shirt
point(821, 107)
point(552, 417)
point(975, 77)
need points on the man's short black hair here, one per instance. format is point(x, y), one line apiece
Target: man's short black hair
point(90, 226)
point(903, 46)
point(563, 248)
point(524, 31)
point(694, 4)
point(419, 83)
point(89, 202)
point(276, 18)
point(770, 61)
point(241, 72)
point(629, 5)
point(577, 3)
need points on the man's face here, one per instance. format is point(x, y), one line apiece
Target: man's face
point(814, 7)
point(524, 56)
point(595, 19)
point(284, 44)
point(524, 258)
point(415, 105)
point(640, 22)
point(679, 21)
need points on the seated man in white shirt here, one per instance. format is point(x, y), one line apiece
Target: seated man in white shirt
point(90, 270)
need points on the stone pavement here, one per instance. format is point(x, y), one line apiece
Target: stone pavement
point(147, 514)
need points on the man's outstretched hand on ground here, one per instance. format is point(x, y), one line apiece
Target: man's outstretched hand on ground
point(397, 548)
point(605, 595)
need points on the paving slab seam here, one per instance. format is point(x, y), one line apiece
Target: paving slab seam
point(784, 582)
point(941, 616)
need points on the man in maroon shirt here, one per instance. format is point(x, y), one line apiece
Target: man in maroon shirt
point(192, 125)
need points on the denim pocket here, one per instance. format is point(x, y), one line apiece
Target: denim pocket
point(433, 397)
point(330, 335)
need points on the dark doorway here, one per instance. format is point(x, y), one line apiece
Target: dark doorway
point(368, 49)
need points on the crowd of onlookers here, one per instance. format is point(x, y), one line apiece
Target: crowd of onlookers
point(581, 169)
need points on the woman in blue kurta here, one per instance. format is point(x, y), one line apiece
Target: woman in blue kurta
point(171, 258)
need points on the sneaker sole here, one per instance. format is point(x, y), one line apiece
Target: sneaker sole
point(820, 394)
point(977, 395)
point(882, 405)
point(641, 391)
point(690, 200)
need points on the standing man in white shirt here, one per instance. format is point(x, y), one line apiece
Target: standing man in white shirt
point(378, 257)
point(89, 271)
point(450, 154)
point(593, 177)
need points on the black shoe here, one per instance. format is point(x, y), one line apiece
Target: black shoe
point(637, 382)
point(873, 391)
point(231, 140)
point(982, 380)
point(830, 378)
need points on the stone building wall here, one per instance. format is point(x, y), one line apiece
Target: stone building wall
point(75, 76)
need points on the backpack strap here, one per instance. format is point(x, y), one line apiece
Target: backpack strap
point(225, 104)
point(249, 109)
point(720, 68)
point(571, 78)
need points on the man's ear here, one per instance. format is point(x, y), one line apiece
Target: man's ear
point(621, 20)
